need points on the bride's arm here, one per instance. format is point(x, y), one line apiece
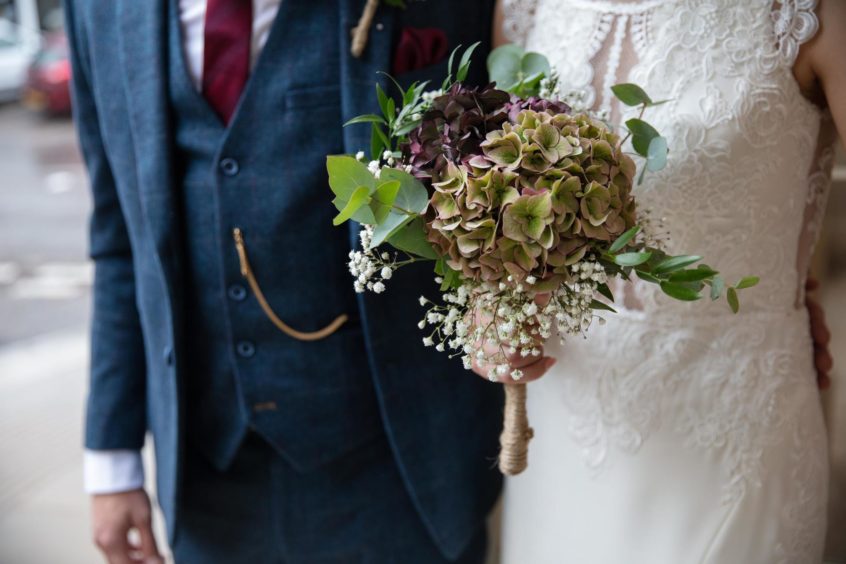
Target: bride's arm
point(821, 66)
point(820, 70)
point(498, 33)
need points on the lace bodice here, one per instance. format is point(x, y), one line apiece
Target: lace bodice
point(749, 160)
point(745, 186)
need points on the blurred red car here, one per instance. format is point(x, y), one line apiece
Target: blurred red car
point(47, 87)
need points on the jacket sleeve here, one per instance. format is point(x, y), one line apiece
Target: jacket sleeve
point(116, 407)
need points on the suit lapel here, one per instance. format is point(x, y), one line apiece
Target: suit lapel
point(143, 47)
point(359, 75)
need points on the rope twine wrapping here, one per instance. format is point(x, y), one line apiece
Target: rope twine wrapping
point(362, 30)
point(516, 432)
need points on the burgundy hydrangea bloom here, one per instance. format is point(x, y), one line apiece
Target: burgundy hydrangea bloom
point(516, 105)
point(453, 128)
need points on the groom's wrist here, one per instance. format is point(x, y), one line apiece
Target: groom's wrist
point(112, 471)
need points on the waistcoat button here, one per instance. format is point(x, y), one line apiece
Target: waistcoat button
point(229, 166)
point(237, 292)
point(245, 349)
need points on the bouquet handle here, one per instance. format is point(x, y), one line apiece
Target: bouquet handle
point(516, 432)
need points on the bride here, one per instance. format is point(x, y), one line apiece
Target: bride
point(679, 433)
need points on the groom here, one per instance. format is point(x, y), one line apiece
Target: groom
point(197, 118)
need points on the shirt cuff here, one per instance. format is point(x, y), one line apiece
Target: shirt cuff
point(112, 471)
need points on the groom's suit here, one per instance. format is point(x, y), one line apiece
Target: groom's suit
point(180, 346)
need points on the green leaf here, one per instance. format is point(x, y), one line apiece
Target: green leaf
point(389, 225)
point(642, 135)
point(411, 238)
point(656, 154)
point(383, 101)
point(383, 139)
point(631, 94)
point(692, 275)
point(359, 198)
point(672, 264)
point(643, 275)
point(464, 63)
point(596, 304)
point(383, 199)
point(717, 287)
point(452, 279)
point(412, 195)
point(632, 259)
point(504, 65)
point(366, 118)
point(731, 298)
point(623, 239)
point(346, 174)
point(533, 64)
point(377, 141)
point(747, 282)
point(605, 291)
point(680, 291)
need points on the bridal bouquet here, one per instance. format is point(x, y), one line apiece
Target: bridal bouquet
point(523, 205)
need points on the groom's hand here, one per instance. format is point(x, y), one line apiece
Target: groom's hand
point(114, 516)
point(820, 335)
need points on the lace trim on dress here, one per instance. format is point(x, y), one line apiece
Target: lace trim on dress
point(795, 23)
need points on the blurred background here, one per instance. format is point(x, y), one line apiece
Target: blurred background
point(45, 281)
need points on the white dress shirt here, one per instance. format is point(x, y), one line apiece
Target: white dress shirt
point(112, 471)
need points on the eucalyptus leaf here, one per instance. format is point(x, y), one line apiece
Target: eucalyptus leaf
point(642, 135)
point(411, 238)
point(383, 200)
point(680, 291)
point(632, 259)
point(346, 174)
point(733, 301)
point(631, 94)
point(533, 64)
point(412, 195)
point(717, 287)
point(656, 154)
point(504, 65)
point(623, 239)
point(359, 198)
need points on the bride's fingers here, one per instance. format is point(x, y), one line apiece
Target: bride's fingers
point(517, 360)
point(531, 372)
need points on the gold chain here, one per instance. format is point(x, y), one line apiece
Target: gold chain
point(247, 273)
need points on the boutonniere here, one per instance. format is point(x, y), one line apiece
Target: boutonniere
point(361, 31)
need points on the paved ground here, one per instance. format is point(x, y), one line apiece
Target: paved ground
point(44, 300)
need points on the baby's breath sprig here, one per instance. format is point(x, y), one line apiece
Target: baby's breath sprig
point(485, 325)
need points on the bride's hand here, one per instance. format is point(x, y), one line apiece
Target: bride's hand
point(532, 367)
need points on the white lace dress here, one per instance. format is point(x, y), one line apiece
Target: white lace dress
point(679, 433)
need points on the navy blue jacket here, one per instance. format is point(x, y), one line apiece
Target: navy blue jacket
point(442, 422)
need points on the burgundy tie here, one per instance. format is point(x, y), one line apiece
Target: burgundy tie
point(226, 53)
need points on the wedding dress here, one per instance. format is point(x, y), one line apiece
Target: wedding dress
point(676, 432)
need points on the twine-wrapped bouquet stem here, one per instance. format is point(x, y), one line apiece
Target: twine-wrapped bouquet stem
point(516, 432)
